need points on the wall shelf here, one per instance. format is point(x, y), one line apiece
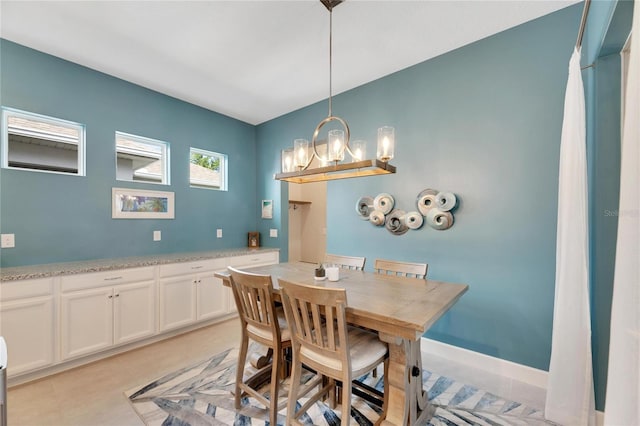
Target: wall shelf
point(296, 203)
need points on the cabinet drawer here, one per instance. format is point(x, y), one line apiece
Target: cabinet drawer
point(13, 290)
point(255, 259)
point(106, 278)
point(186, 268)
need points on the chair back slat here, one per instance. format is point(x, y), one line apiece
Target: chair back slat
point(331, 335)
point(254, 300)
point(345, 262)
point(317, 319)
point(400, 269)
point(305, 318)
point(317, 332)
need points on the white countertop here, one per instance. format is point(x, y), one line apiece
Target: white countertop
point(17, 273)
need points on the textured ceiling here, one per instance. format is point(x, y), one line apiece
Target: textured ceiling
point(256, 60)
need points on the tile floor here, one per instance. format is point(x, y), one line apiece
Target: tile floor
point(93, 394)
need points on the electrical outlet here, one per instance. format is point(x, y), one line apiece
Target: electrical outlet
point(273, 233)
point(8, 241)
point(219, 233)
point(157, 235)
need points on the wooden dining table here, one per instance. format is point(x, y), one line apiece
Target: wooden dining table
point(400, 309)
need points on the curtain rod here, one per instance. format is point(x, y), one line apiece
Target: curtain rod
point(583, 23)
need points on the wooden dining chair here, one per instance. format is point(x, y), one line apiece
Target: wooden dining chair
point(345, 262)
point(265, 324)
point(323, 342)
point(400, 269)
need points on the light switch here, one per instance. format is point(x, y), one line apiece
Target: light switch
point(273, 233)
point(8, 241)
point(219, 233)
point(157, 235)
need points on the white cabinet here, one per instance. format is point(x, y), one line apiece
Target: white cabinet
point(61, 320)
point(27, 324)
point(87, 321)
point(189, 292)
point(177, 302)
point(134, 312)
point(96, 314)
point(210, 297)
point(248, 261)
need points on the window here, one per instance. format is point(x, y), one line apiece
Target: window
point(207, 169)
point(141, 159)
point(37, 142)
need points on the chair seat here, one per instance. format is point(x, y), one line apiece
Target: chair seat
point(285, 333)
point(366, 350)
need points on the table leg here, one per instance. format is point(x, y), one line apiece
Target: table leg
point(408, 402)
point(257, 360)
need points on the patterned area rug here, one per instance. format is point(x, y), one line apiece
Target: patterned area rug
point(201, 395)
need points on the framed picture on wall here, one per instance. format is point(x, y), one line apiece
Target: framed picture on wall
point(254, 239)
point(141, 204)
point(267, 209)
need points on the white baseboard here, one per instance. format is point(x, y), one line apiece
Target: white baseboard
point(512, 370)
point(519, 372)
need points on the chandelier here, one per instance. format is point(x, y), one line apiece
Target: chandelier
point(329, 161)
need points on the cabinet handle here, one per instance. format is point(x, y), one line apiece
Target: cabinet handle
point(196, 267)
point(113, 278)
point(110, 296)
point(118, 295)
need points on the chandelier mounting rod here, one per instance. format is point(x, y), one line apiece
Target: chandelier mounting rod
point(330, 4)
point(330, 58)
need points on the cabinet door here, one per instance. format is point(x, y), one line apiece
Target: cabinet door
point(177, 302)
point(212, 300)
point(86, 321)
point(133, 311)
point(28, 328)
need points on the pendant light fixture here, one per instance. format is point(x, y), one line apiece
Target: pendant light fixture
point(296, 162)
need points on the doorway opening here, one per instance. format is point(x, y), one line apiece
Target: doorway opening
point(307, 222)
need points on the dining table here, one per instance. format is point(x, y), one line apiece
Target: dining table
point(399, 309)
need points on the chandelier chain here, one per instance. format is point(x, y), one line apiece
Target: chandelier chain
point(330, 57)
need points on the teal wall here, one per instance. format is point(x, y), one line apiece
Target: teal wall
point(483, 121)
point(59, 218)
point(603, 215)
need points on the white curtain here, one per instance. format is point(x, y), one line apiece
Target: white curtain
point(570, 395)
point(623, 382)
